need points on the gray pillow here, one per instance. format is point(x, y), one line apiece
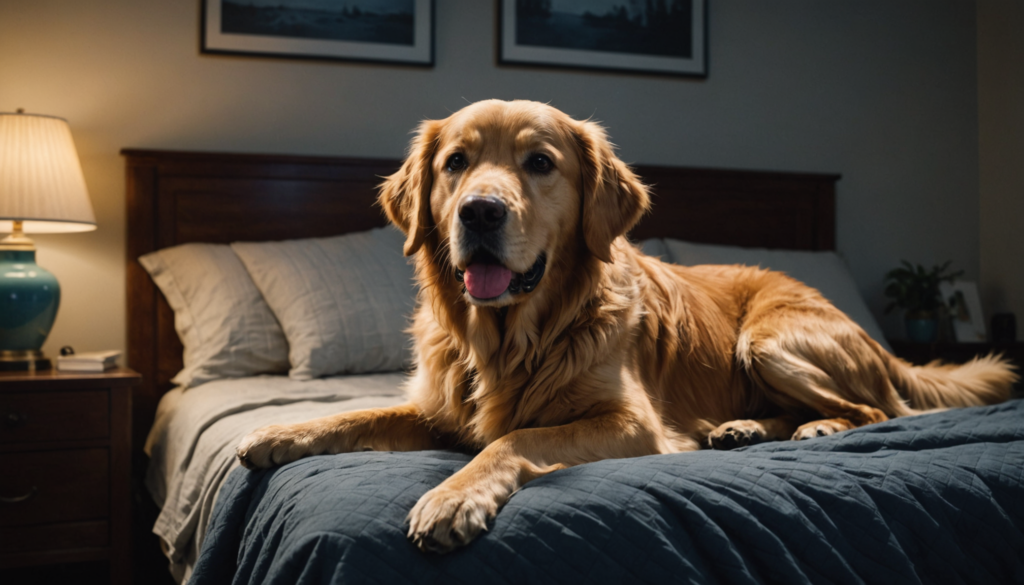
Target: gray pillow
point(824, 271)
point(343, 302)
point(227, 329)
point(655, 247)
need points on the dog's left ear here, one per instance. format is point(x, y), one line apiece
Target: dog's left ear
point(613, 197)
point(405, 195)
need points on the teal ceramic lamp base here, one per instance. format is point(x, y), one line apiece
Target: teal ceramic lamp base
point(29, 297)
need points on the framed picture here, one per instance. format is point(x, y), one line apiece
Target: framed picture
point(667, 37)
point(964, 304)
point(392, 31)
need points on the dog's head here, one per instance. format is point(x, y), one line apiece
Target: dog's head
point(507, 188)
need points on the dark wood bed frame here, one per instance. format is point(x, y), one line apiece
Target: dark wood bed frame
point(179, 197)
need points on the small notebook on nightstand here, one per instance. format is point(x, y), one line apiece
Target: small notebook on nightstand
point(93, 361)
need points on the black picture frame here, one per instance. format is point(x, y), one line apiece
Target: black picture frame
point(618, 39)
point(265, 28)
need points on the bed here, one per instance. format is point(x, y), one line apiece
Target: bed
point(932, 498)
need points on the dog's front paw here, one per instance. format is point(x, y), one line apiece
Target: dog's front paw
point(736, 434)
point(274, 445)
point(445, 518)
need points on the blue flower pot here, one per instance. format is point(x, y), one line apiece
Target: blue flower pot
point(922, 330)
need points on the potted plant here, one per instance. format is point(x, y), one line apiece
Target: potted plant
point(916, 290)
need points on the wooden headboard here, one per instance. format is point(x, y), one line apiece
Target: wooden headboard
point(180, 197)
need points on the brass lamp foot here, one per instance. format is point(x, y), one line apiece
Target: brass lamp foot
point(23, 360)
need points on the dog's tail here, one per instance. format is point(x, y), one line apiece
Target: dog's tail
point(983, 380)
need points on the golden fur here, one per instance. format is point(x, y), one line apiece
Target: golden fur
point(614, 354)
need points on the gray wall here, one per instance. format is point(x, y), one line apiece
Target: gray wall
point(882, 91)
point(1001, 115)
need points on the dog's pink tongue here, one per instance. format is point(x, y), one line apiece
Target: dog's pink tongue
point(486, 281)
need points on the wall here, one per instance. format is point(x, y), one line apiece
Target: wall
point(883, 92)
point(1001, 132)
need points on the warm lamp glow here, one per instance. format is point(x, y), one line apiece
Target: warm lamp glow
point(41, 181)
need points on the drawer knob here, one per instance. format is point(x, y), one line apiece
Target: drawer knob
point(13, 420)
point(19, 499)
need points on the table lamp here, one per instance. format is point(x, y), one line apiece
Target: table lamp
point(42, 190)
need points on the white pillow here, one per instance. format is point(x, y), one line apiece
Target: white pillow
point(343, 302)
point(824, 271)
point(227, 329)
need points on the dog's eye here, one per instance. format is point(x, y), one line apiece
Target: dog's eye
point(456, 162)
point(539, 163)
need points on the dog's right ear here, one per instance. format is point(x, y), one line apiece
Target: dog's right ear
point(405, 195)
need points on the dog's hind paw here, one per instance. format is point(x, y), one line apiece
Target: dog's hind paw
point(822, 428)
point(736, 434)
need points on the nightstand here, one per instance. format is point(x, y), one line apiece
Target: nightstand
point(958, 353)
point(65, 459)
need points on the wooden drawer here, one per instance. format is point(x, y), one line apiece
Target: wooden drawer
point(63, 536)
point(54, 416)
point(40, 487)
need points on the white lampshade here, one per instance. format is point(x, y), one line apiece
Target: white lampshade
point(41, 181)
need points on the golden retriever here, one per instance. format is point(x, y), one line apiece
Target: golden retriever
point(544, 339)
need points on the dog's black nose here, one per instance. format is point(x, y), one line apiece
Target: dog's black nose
point(482, 214)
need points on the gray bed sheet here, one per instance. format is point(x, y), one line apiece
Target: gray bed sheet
point(192, 442)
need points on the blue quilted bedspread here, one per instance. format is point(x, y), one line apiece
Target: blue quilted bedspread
point(927, 499)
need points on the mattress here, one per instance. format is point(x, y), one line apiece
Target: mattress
point(193, 439)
